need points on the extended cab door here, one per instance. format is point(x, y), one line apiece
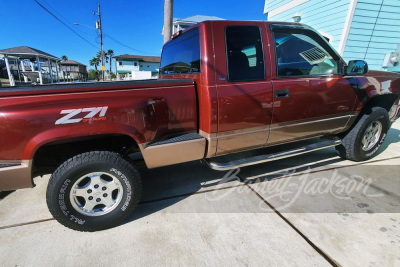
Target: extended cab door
point(243, 85)
point(311, 97)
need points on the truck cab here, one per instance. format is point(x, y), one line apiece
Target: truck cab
point(261, 84)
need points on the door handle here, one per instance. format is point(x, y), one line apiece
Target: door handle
point(282, 93)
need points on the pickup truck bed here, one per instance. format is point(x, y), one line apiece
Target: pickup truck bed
point(90, 87)
point(42, 120)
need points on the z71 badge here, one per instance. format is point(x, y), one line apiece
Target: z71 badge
point(76, 115)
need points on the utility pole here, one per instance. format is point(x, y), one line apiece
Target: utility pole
point(98, 26)
point(168, 14)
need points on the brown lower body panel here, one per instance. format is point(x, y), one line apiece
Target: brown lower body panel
point(16, 174)
point(289, 132)
point(264, 136)
point(173, 153)
point(237, 140)
point(212, 142)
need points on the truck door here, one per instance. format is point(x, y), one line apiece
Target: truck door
point(243, 85)
point(311, 97)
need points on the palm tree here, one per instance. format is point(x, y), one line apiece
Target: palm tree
point(110, 53)
point(99, 57)
point(95, 62)
point(64, 58)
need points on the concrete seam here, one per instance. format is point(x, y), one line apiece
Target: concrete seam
point(320, 251)
point(27, 223)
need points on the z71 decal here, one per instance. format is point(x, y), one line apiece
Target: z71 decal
point(76, 115)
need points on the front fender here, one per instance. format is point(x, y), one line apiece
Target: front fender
point(380, 83)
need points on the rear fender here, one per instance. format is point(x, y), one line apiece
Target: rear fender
point(77, 131)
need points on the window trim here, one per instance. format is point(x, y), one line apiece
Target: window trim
point(291, 29)
point(226, 53)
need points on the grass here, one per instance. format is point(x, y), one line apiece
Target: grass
point(3, 79)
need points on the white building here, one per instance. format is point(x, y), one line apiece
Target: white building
point(180, 24)
point(137, 67)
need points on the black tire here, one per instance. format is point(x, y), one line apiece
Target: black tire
point(352, 143)
point(111, 170)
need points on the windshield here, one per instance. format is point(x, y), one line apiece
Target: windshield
point(182, 55)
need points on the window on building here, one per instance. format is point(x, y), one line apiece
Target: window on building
point(135, 64)
point(300, 53)
point(119, 63)
point(245, 56)
point(182, 54)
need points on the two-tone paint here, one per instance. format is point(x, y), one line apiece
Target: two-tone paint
point(231, 116)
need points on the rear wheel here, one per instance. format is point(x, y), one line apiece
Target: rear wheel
point(93, 191)
point(363, 141)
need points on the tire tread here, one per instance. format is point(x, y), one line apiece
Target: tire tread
point(104, 156)
point(348, 148)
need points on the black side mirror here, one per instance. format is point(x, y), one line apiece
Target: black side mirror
point(356, 68)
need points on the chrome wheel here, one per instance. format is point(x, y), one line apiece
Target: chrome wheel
point(96, 194)
point(371, 135)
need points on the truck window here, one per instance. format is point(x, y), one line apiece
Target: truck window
point(303, 54)
point(245, 58)
point(182, 54)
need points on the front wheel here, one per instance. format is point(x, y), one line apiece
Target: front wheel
point(365, 138)
point(93, 191)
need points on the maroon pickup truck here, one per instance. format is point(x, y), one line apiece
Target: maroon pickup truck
point(224, 87)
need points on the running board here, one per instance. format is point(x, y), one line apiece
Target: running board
point(271, 157)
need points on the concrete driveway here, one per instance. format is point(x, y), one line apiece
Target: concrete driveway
point(314, 209)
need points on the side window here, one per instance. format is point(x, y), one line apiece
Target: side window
point(182, 54)
point(245, 56)
point(303, 53)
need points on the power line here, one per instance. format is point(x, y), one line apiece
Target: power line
point(80, 36)
point(56, 11)
point(66, 20)
point(128, 46)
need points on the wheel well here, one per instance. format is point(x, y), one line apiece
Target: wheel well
point(384, 101)
point(48, 157)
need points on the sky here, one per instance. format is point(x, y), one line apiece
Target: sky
point(127, 24)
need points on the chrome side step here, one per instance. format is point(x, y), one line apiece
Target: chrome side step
point(270, 157)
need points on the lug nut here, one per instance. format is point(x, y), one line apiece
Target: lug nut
point(105, 195)
point(90, 198)
point(104, 188)
point(89, 191)
point(96, 186)
point(98, 200)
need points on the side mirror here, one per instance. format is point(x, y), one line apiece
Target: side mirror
point(356, 68)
